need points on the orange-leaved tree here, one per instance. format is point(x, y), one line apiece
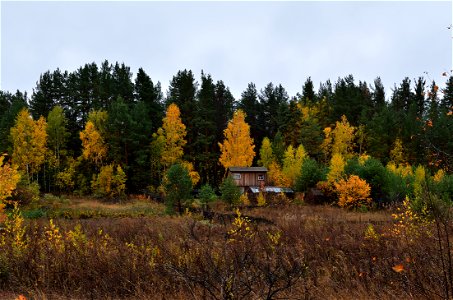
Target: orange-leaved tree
point(353, 193)
point(172, 133)
point(237, 148)
point(29, 143)
point(276, 176)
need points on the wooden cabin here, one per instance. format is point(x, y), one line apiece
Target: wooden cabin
point(248, 176)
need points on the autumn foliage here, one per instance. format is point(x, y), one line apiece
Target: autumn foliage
point(9, 177)
point(237, 147)
point(29, 139)
point(94, 146)
point(173, 134)
point(353, 193)
point(110, 182)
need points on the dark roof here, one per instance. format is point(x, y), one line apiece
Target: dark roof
point(247, 169)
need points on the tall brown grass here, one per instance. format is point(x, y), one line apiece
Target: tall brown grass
point(300, 252)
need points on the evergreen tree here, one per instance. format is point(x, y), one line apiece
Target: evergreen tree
point(206, 121)
point(349, 99)
point(274, 102)
point(403, 96)
point(42, 99)
point(106, 85)
point(119, 133)
point(253, 109)
point(278, 148)
point(291, 128)
point(122, 83)
point(178, 188)
point(378, 94)
point(145, 91)
point(182, 92)
point(140, 161)
point(433, 103)
point(447, 100)
point(419, 97)
point(224, 101)
point(11, 106)
point(381, 132)
point(311, 135)
point(308, 92)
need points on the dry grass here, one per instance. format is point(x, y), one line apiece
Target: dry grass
point(311, 252)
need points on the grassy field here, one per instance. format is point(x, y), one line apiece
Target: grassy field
point(133, 251)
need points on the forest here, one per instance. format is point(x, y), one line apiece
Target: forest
point(126, 114)
point(156, 164)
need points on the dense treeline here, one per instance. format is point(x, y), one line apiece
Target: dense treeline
point(125, 116)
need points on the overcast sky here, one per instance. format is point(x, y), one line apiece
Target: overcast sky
point(237, 42)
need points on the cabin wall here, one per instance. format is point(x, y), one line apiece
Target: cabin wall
point(249, 178)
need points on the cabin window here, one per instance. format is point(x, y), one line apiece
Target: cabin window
point(260, 177)
point(236, 176)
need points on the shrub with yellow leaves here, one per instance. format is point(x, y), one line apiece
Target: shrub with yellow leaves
point(261, 200)
point(241, 228)
point(408, 223)
point(439, 175)
point(13, 234)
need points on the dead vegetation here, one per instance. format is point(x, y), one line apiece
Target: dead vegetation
point(300, 252)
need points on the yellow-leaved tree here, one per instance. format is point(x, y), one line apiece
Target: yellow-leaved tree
point(292, 163)
point(110, 182)
point(172, 133)
point(29, 143)
point(276, 176)
point(343, 137)
point(335, 174)
point(266, 153)
point(397, 153)
point(237, 148)
point(336, 169)
point(340, 139)
point(94, 146)
point(9, 177)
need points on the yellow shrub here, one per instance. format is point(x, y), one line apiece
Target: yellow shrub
point(261, 199)
point(439, 175)
point(244, 200)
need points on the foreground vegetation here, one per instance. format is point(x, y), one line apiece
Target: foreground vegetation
point(289, 251)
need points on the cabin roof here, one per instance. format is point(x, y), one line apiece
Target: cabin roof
point(247, 169)
point(271, 189)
